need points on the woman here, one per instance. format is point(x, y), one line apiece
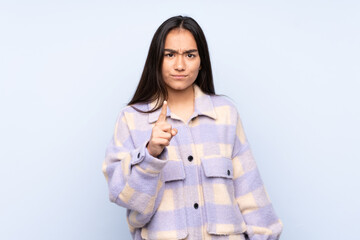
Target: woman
point(179, 160)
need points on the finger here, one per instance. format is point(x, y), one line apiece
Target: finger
point(174, 131)
point(164, 126)
point(162, 142)
point(164, 135)
point(162, 116)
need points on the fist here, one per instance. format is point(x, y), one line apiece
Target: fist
point(161, 134)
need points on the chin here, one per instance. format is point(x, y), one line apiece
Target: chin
point(180, 86)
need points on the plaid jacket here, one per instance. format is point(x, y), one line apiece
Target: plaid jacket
point(204, 185)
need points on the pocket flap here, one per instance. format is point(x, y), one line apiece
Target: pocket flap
point(217, 167)
point(173, 170)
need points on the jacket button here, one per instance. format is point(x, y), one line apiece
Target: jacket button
point(228, 172)
point(190, 158)
point(138, 155)
point(196, 206)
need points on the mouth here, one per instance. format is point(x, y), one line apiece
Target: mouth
point(179, 76)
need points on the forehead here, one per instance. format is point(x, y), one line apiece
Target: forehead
point(180, 39)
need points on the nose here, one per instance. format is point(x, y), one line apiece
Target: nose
point(180, 63)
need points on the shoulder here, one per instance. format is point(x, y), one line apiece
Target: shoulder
point(131, 113)
point(224, 102)
point(134, 108)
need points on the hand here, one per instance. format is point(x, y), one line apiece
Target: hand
point(161, 134)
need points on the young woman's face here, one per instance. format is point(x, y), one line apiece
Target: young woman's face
point(181, 62)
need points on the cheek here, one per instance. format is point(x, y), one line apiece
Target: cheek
point(166, 67)
point(195, 68)
point(163, 69)
point(198, 64)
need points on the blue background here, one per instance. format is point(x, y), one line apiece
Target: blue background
point(68, 67)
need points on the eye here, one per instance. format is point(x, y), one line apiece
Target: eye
point(169, 55)
point(190, 55)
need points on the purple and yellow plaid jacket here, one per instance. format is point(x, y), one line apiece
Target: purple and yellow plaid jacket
point(204, 185)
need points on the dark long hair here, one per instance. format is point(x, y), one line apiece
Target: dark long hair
point(151, 85)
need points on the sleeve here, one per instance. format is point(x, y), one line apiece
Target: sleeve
point(251, 196)
point(132, 175)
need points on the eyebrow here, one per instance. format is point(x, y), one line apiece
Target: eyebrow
point(173, 51)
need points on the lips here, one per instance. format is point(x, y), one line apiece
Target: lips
point(179, 76)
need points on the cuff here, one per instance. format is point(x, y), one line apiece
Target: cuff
point(146, 161)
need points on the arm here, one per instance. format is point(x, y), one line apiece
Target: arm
point(133, 175)
point(251, 196)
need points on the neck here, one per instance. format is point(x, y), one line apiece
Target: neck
point(183, 97)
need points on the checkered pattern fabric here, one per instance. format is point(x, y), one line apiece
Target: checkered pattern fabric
point(204, 185)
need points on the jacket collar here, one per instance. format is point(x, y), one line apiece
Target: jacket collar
point(203, 106)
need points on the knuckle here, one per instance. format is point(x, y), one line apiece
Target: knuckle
point(165, 135)
point(158, 124)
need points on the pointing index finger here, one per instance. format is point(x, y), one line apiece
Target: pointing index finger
point(162, 116)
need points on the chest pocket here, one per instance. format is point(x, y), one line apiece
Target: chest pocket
point(169, 221)
point(222, 212)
